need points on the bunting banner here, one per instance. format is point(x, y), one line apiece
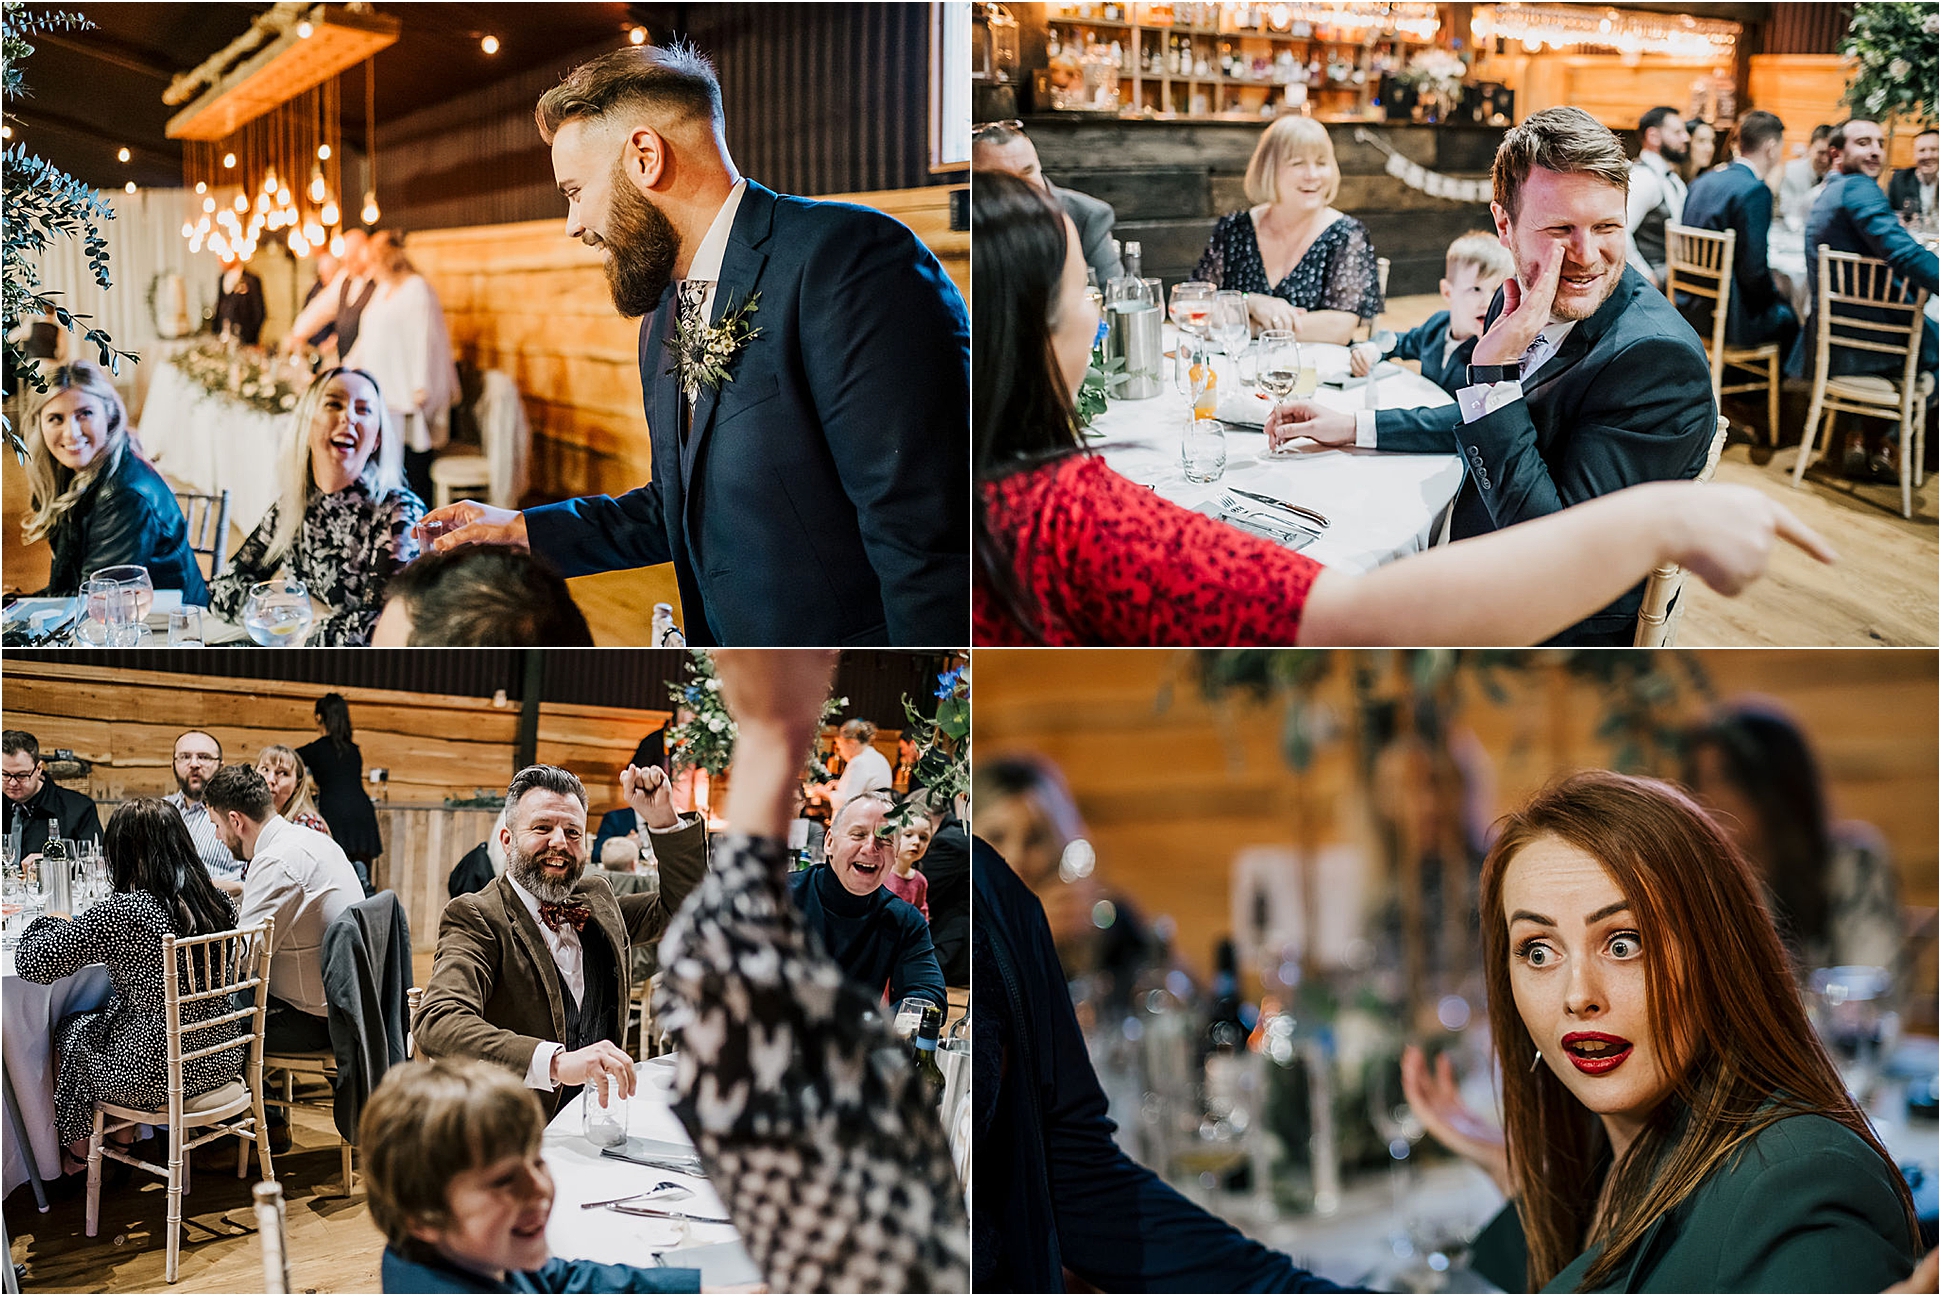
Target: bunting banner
point(1419, 177)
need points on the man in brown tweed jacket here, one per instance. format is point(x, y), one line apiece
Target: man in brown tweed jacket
point(532, 972)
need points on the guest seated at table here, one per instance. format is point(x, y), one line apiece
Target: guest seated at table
point(92, 496)
point(782, 1082)
point(342, 523)
point(560, 1021)
point(480, 596)
point(197, 757)
point(1304, 265)
point(477, 868)
point(1911, 191)
point(1672, 1121)
point(1702, 147)
point(1736, 197)
point(1852, 215)
point(880, 939)
point(302, 880)
point(32, 799)
point(1800, 182)
point(1475, 267)
point(118, 1054)
point(912, 844)
point(1003, 146)
point(1587, 380)
point(289, 784)
point(462, 1195)
point(1833, 891)
point(1070, 552)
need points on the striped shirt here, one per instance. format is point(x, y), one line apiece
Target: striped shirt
point(202, 831)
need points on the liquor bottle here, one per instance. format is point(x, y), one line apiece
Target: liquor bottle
point(1226, 1025)
point(924, 1052)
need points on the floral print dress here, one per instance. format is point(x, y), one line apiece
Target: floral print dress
point(1337, 272)
point(119, 1054)
point(813, 1126)
point(350, 545)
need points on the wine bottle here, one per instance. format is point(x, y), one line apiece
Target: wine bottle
point(924, 1052)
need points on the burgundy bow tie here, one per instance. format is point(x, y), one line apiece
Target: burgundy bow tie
point(573, 911)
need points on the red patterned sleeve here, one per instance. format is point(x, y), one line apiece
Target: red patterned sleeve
point(1111, 562)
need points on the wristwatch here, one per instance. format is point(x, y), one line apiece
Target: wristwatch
point(1479, 374)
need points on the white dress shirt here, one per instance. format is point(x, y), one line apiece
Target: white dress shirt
point(202, 831)
point(1652, 179)
point(302, 879)
point(1365, 418)
point(705, 268)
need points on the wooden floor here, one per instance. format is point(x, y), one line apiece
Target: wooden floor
point(332, 1244)
point(1881, 593)
point(618, 606)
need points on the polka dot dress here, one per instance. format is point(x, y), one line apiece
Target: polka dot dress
point(1337, 272)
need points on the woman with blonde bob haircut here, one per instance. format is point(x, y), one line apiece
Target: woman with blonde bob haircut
point(1672, 1121)
point(342, 523)
point(92, 496)
point(1302, 264)
point(289, 782)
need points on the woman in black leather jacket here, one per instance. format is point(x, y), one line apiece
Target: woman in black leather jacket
point(93, 497)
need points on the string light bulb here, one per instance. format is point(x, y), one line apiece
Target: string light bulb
point(329, 214)
point(313, 233)
point(490, 44)
point(305, 30)
point(242, 203)
point(337, 246)
point(229, 161)
point(323, 152)
point(130, 186)
point(201, 186)
point(208, 204)
point(317, 189)
point(188, 230)
point(370, 213)
point(122, 156)
point(299, 245)
point(638, 36)
point(6, 132)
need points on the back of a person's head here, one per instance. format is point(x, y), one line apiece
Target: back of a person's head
point(1758, 129)
point(148, 848)
point(427, 1123)
point(488, 596)
point(619, 854)
point(241, 789)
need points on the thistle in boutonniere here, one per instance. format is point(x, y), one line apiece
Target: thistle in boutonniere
point(702, 355)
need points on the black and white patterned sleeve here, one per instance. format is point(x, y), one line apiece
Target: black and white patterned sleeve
point(1354, 274)
point(229, 590)
point(811, 1123)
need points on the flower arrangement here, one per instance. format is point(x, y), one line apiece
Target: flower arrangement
point(706, 741)
point(1434, 71)
point(943, 745)
point(242, 374)
point(1894, 46)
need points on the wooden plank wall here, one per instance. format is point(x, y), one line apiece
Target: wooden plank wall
point(526, 299)
point(1171, 797)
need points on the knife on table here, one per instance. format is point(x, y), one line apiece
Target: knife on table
point(1296, 509)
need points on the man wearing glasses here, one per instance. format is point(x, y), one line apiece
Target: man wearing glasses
point(1003, 146)
point(32, 799)
point(197, 758)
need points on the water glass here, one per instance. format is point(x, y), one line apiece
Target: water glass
point(1227, 322)
point(603, 1120)
point(97, 600)
point(277, 613)
point(185, 628)
point(134, 578)
point(1203, 451)
point(908, 1018)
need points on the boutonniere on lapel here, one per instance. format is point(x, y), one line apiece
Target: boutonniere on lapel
point(703, 355)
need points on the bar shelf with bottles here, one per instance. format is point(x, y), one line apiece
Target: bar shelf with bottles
point(1241, 60)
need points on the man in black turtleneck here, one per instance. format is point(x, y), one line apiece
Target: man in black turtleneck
point(880, 939)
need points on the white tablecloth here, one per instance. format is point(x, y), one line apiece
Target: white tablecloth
point(212, 444)
point(28, 1015)
point(1380, 506)
point(581, 1174)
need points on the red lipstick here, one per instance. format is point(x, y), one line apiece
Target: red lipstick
point(1596, 1053)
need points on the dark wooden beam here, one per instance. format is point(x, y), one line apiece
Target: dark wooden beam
point(108, 49)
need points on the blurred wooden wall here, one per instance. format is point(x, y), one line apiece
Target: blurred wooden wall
point(1170, 797)
point(529, 300)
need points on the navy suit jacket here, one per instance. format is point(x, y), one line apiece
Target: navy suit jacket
point(1424, 343)
point(1626, 399)
point(1852, 215)
point(614, 823)
point(556, 1275)
point(823, 495)
point(1733, 198)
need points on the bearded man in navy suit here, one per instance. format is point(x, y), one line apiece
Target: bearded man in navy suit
point(805, 368)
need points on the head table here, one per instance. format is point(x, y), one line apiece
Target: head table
point(1380, 507)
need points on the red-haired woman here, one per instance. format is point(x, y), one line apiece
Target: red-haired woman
point(1672, 1122)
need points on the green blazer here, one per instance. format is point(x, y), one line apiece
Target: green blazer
point(1805, 1207)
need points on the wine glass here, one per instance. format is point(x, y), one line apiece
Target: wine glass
point(1227, 322)
point(1279, 370)
point(137, 579)
point(277, 613)
point(1191, 301)
point(98, 599)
